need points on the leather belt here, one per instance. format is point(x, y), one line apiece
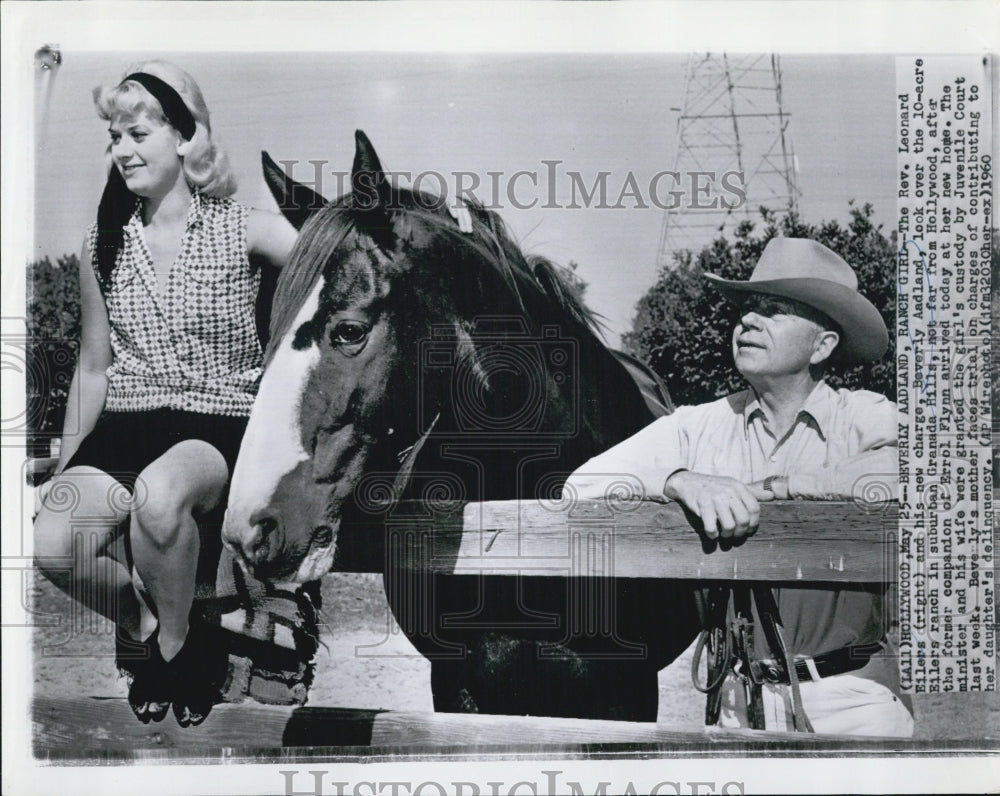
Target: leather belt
point(828, 664)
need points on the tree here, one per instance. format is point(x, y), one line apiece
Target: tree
point(683, 326)
point(53, 325)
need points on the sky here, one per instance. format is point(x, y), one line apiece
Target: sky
point(504, 112)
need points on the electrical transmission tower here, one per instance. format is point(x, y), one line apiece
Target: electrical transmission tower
point(733, 120)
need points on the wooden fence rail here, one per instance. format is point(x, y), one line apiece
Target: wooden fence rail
point(796, 541)
point(70, 729)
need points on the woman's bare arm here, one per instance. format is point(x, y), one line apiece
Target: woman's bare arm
point(89, 388)
point(271, 236)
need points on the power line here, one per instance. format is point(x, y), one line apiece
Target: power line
point(733, 120)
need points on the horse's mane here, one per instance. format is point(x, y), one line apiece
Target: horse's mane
point(418, 220)
point(298, 277)
point(558, 287)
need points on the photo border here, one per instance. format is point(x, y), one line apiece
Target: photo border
point(669, 27)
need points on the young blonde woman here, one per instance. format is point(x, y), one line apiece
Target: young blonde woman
point(169, 366)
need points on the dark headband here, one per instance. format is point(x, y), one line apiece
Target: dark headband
point(174, 108)
point(118, 202)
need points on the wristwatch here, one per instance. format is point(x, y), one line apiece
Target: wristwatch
point(777, 485)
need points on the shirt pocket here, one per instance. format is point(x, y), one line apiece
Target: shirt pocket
point(208, 270)
point(206, 260)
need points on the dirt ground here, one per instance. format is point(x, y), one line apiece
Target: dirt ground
point(366, 662)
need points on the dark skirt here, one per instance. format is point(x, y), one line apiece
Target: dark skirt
point(123, 444)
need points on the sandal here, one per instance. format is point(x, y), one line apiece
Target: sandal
point(196, 674)
point(141, 664)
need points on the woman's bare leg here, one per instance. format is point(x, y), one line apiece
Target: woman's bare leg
point(183, 483)
point(73, 535)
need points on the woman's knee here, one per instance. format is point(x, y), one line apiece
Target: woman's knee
point(157, 515)
point(82, 502)
point(187, 480)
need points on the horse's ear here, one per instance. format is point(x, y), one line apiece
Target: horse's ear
point(372, 195)
point(371, 189)
point(296, 201)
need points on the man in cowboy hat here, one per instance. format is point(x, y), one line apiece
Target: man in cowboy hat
point(784, 658)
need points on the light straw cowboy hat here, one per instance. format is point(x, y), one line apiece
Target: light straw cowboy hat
point(807, 271)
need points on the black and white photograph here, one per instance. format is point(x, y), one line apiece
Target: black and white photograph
point(492, 399)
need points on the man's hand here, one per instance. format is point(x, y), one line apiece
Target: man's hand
point(726, 507)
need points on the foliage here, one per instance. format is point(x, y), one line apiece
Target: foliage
point(683, 326)
point(53, 326)
point(54, 299)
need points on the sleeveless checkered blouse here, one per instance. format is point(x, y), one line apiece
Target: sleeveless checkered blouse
point(193, 347)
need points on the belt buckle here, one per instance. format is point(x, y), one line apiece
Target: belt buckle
point(757, 671)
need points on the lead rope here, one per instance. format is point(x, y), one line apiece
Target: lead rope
point(767, 609)
point(744, 642)
point(715, 637)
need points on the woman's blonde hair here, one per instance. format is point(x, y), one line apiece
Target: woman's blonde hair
point(206, 166)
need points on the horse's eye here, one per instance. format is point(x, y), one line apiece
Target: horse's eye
point(349, 333)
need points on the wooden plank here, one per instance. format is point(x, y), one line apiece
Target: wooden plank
point(71, 728)
point(64, 726)
point(797, 541)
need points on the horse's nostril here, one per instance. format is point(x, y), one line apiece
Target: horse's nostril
point(264, 521)
point(267, 526)
point(265, 539)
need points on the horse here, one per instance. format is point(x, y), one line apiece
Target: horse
point(403, 344)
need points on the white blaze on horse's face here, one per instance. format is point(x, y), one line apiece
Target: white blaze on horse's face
point(272, 446)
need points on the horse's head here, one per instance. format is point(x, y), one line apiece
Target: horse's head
point(371, 274)
point(390, 320)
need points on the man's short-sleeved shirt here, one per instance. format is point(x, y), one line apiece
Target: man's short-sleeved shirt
point(843, 443)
